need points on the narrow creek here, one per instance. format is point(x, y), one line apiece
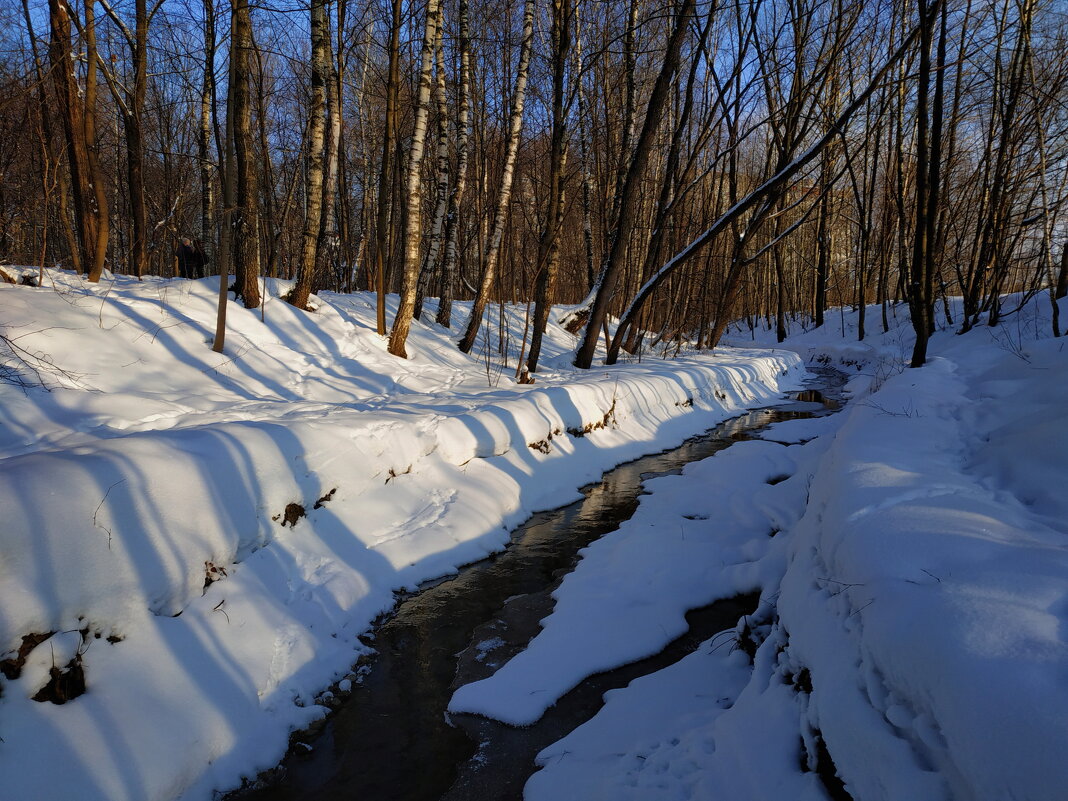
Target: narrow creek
point(391, 739)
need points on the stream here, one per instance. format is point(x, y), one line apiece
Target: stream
point(391, 739)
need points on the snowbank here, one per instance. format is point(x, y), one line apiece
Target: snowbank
point(204, 537)
point(910, 641)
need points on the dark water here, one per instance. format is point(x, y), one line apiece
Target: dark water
point(390, 740)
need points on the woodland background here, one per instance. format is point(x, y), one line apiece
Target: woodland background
point(677, 165)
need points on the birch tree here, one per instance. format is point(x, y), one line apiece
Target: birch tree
point(515, 130)
point(463, 136)
point(320, 64)
point(414, 226)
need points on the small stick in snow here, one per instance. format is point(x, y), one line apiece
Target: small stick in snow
point(99, 505)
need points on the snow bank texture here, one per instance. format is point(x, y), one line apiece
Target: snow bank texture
point(927, 589)
point(917, 645)
point(207, 536)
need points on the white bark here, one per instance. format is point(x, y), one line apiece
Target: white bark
point(414, 227)
point(463, 134)
point(320, 37)
point(515, 130)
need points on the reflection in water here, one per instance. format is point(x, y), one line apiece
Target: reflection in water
point(391, 739)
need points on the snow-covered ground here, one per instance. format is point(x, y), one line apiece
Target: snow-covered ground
point(204, 537)
point(911, 634)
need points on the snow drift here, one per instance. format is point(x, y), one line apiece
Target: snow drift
point(204, 537)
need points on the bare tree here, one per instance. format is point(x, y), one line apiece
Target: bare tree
point(389, 136)
point(463, 136)
point(313, 194)
point(413, 229)
point(771, 188)
point(515, 129)
point(245, 215)
point(130, 98)
point(629, 192)
point(77, 106)
point(549, 243)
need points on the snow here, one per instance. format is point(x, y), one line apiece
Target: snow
point(305, 472)
point(909, 552)
point(695, 539)
point(913, 606)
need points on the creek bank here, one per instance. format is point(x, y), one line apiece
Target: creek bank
point(456, 630)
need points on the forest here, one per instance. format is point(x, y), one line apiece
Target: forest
point(475, 400)
point(674, 166)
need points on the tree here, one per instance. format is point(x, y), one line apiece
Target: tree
point(629, 192)
point(77, 106)
point(413, 228)
point(770, 189)
point(130, 98)
point(515, 129)
point(389, 136)
point(320, 57)
point(463, 136)
point(245, 214)
point(549, 243)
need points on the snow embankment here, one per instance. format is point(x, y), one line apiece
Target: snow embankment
point(911, 634)
point(926, 592)
point(203, 538)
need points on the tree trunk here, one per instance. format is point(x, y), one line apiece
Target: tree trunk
point(385, 177)
point(919, 280)
point(270, 223)
point(1062, 275)
point(414, 224)
point(207, 94)
point(329, 244)
point(246, 201)
point(549, 244)
point(515, 128)
point(320, 63)
point(229, 185)
point(823, 241)
point(437, 226)
point(78, 111)
point(463, 135)
point(630, 191)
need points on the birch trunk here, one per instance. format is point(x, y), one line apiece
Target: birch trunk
point(328, 237)
point(413, 229)
point(515, 129)
point(438, 221)
point(320, 55)
point(463, 135)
